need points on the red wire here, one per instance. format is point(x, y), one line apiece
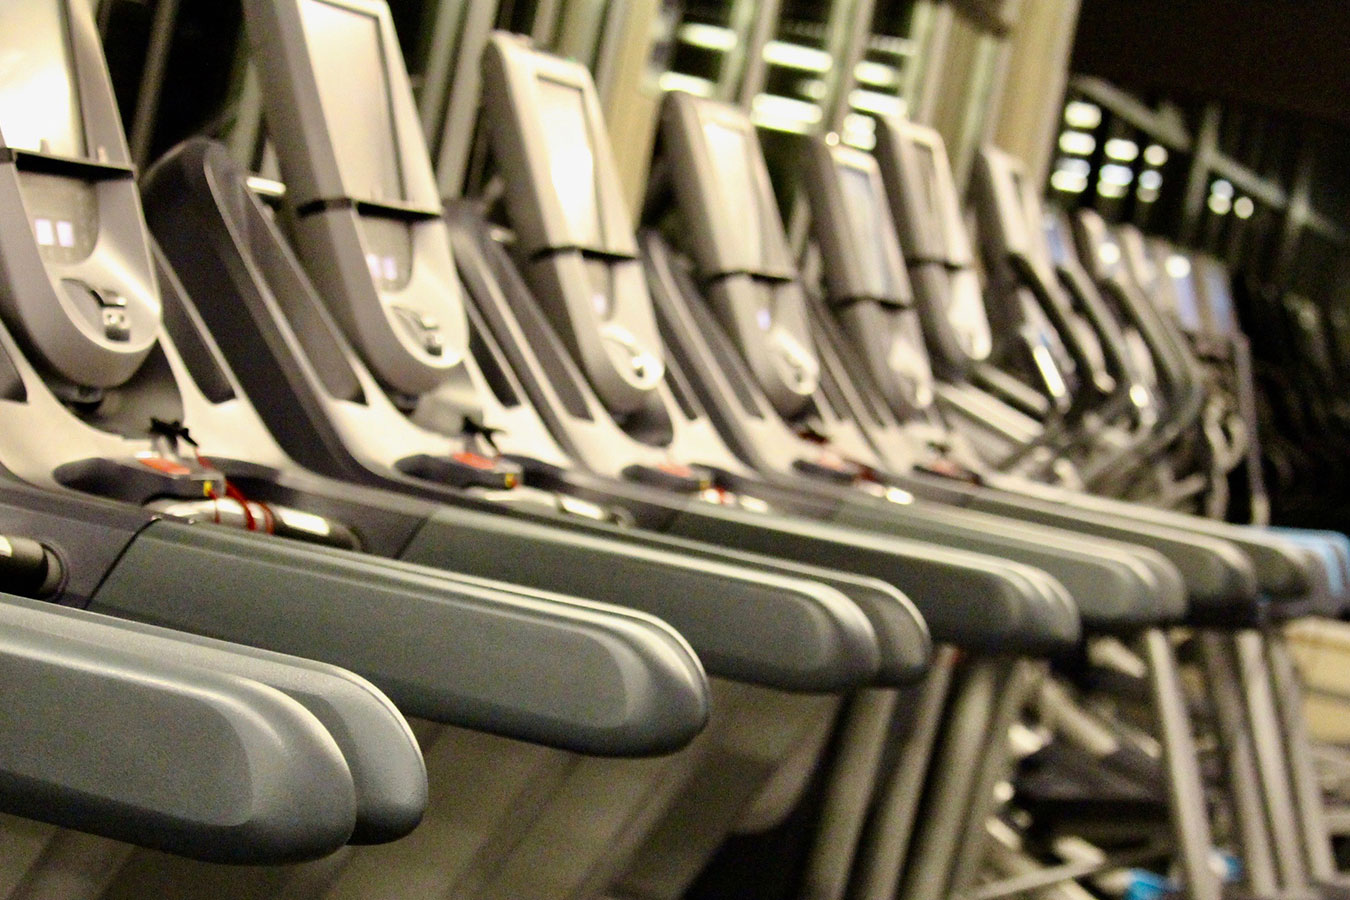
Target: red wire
point(237, 496)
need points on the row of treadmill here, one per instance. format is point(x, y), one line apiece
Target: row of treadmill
point(357, 545)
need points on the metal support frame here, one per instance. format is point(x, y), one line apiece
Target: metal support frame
point(447, 20)
point(247, 131)
point(151, 88)
point(1190, 820)
point(885, 845)
point(847, 31)
point(1197, 178)
point(608, 54)
point(752, 76)
point(930, 76)
point(1316, 837)
point(995, 767)
point(954, 773)
point(852, 780)
point(461, 115)
point(1272, 768)
point(544, 28)
point(1242, 778)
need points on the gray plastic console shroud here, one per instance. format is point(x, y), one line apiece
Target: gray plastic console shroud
point(58, 312)
point(380, 750)
point(162, 753)
point(566, 673)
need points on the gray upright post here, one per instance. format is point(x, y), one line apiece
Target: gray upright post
point(1190, 819)
point(1270, 760)
point(1307, 789)
point(853, 778)
point(974, 847)
point(885, 844)
point(1258, 858)
point(952, 777)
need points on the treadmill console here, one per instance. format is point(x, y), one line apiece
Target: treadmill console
point(739, 246)
point(865, 279)
point(360, 193)
point(573, 230)
point(927, 213)
point(80, 290)
point(1021, 265)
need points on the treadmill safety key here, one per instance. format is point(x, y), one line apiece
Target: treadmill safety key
point(672, 477)
point(465, 469)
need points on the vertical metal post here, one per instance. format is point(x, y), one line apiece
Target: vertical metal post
point(990, 54)
point(544, 28)
point(743, 20)
point(849, 31)
point(446, 21)
point(953, 775)
point(1203, 148)
point(608, 53)
point(752, 79)
point(885, 843)
point(994, 767)
point(930, 75)
point(853, 777)
point(1307, 789)
point(1270, 762)
point(1296, 212)
point(247, 132)
point(461, 116)
point(1221, 677)
point(152, 81)
point(579, 30)
point(1190, 819)
point(921, 36)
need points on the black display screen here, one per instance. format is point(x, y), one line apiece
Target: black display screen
point(39, 104)
point(348, 56)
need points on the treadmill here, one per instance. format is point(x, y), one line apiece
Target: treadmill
point(82, 388)
point(697, 317)
point(197, 180)
point(1248, 652)
point(228, 241)
point(546, 331)
point(1282, 570)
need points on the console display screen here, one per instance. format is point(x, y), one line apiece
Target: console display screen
point(865, 218)
point(736, 184)
point(571, 159)
point(38, 101)
point(349, 64)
